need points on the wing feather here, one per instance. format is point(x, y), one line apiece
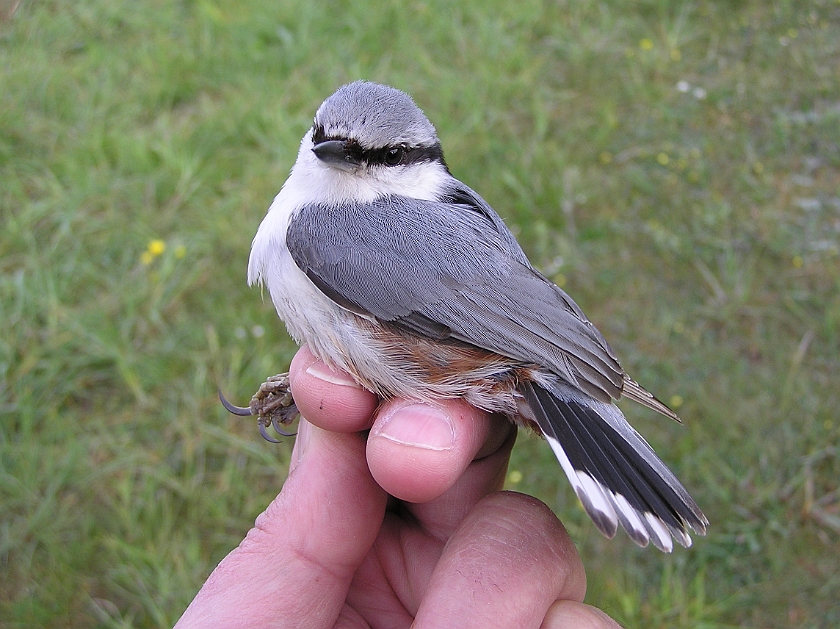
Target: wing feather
point(448, 268)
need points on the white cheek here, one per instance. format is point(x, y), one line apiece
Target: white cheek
point(418, 181)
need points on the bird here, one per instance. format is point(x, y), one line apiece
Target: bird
point(391, 269)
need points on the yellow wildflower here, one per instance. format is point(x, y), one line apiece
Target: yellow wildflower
point(156, 247)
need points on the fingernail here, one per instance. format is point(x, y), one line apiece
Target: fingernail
point(418, 426)
point(319, 369)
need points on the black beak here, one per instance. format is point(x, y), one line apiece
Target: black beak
point(336, 153)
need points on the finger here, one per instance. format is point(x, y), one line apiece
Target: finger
point(440, 518)
point(296, 564)
point(506, 565)
point(572, 614)
point(417, 451)
point(413, 536)
point(327, 398)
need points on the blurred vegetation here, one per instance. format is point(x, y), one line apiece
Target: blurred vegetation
point(675, 166)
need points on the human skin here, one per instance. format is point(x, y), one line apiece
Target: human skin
point(392, 516)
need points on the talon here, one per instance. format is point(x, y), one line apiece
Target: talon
point(276, 423)
point(242, 411)
point(272, 404)
point(266, 436)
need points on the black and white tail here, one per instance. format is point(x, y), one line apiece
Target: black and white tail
point(615, 473)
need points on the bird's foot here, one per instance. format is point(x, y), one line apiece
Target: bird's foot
point(272, 404)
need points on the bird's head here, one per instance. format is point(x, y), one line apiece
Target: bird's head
point(368, 140)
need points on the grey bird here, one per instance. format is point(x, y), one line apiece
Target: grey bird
point(391, 269)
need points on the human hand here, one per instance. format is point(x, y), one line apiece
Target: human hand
point(403, 525)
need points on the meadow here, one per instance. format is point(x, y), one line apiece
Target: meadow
point(674, 166)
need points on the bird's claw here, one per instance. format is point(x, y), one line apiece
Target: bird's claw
point(272, 404)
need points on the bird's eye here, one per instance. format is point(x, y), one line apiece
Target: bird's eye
point(394, 155)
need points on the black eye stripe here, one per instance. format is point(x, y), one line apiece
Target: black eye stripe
point(410, 154)
point(386, 155)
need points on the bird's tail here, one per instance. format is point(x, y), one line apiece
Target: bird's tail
point(615, 473)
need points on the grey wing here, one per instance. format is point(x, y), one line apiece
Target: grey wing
point(447, 270)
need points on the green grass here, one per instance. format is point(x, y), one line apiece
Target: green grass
point(698, 227)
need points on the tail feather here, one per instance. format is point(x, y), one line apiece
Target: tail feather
point(623, 483)
point(615, 473)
